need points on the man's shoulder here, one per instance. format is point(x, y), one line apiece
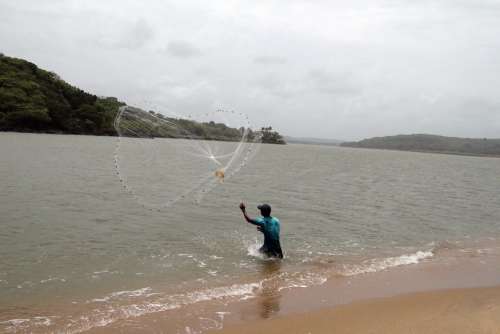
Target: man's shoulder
point(275, 219)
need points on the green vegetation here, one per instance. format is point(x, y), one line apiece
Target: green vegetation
point(135, 122)
point(35, 100)
point(313, 141)
point(271, 137)
point(431, 143)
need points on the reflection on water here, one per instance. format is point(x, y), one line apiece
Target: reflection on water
point(270, 296)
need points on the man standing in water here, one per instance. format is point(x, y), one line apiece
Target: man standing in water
point(270, 227)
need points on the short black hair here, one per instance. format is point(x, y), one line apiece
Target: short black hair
point(265, 209)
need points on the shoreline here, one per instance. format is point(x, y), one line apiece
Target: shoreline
point(274, 307)
point(460, 296)
point(118, 136)
point(476, 155)
point(469, 310)
point(457, 279)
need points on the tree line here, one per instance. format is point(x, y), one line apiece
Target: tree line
point(432, 143)
point(35, 100)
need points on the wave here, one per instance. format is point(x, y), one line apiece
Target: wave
point(303, 280)
point(121, 305)
point(144, 292)
point(376, 265)
point(16, 325)
point(152, 302)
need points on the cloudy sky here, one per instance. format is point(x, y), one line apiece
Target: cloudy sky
point(317, 68)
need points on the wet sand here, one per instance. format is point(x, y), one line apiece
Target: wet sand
point(460, 296)
point(473, 310)
point(455, 293)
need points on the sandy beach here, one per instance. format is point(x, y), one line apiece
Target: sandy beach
point(435, 296)
point(473, 310)
point(459, 297)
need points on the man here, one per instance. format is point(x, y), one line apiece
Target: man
point(270, 227)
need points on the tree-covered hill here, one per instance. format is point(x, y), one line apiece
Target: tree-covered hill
point(431, 143)
point(135, 122)
point(35, 100)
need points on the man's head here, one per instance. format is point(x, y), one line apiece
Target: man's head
point(265, 209)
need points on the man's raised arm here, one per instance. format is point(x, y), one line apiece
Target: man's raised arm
point(248, 219)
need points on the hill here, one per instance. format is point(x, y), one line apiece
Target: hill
point(312, 141)
point(432, 143)
point(36, 100)
point(135, 122)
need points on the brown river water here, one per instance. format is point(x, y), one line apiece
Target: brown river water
point(80, 251)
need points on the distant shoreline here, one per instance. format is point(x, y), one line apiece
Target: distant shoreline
point(117, 136)
point(426, 143)
point(60, 133)
point(477, 155)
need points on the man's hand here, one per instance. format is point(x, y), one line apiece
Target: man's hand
point(248, 219)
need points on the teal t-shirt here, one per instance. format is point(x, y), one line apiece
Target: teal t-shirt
point(270, 227)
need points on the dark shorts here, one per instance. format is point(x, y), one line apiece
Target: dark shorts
point(272, 248)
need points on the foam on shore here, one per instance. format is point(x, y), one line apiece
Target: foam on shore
point(461, 311)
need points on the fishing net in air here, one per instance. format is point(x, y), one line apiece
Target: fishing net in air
point(161, 159)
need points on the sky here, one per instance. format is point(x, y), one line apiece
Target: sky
point(310, 68)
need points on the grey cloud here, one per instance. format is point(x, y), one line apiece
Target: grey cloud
point(478, 108)
point(133, 35)
point(269, 60)
point(314, 82)
point(272, 84)
point(308, 68)
point(330, 83)
point(139, 34)
point(484, 5)
point(182, 49)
